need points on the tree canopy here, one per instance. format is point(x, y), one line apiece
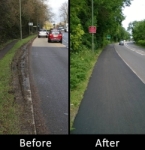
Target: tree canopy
point(107, 17)
point(35, 11)
point(138, 30)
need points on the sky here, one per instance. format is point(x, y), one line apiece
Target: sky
point(55, 5)
point(136, 11)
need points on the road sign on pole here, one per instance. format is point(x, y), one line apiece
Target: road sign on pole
point(30, 23)
point(92, 29)
point(108, 37)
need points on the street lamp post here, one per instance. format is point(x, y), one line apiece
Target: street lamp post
point(92, 25)
point(20, 20)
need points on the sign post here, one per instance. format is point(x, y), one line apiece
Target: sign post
point(20, 20)
point(92, 29)
point(30, 24)
point(108, 37)
point(92, 25)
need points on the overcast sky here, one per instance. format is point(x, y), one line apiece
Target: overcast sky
point(136, 11)
point(55, 5)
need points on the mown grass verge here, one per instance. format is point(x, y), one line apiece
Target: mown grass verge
point(81, 67)
point(9, 110)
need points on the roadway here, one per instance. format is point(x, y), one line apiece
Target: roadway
point(114, 101)
point(65, 39)
point(49, 71)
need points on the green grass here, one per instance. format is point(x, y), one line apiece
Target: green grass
point(2, 45)
point(9, 110)
point(81, 67)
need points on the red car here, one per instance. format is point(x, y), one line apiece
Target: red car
point(55, 35)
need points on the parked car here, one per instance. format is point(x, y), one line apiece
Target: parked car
point(121, 43)
point(42, 33)
point(55, 36)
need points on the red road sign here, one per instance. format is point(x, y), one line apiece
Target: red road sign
point(92, 29)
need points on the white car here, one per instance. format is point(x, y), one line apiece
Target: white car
point(42, 33)
point(121, 43)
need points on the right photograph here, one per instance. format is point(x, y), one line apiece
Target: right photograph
point(107, 73)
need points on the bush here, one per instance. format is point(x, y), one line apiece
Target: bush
point(75, 38)
point(106, 42)
point(80, 63)
point(141, 42)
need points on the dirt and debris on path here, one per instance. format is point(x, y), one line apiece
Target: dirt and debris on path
point(19, 78)
point(25, 94)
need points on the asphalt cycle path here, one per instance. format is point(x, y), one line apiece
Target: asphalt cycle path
point(114, 101)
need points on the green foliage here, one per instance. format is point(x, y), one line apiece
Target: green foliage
point(141, 42)
point(75, 38)
point(31, 11)
point(107, 17)
point(106, 42)
point(79, 64)
point(138, 30)
point(121, 34)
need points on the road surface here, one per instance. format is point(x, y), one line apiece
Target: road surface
point(114, 102)
point(49, 67)
point(65, 39)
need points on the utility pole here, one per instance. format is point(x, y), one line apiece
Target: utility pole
point(92, 25)
point(20, 20)
point(29, 26)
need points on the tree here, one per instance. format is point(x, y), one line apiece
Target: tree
point(64, 11)
point(35, 11)
point(138, 30)
point(107, 18)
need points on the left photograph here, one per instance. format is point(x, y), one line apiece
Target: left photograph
point(34, 67)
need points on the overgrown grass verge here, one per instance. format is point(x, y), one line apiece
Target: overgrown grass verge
point(9, 110)
point(81, 67)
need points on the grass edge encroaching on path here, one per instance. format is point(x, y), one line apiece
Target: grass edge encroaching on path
point(9, 110)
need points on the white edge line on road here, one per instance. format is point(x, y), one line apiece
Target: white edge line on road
point(65, 41)
point(132, 49)
point(129, 66)
point(65, 46)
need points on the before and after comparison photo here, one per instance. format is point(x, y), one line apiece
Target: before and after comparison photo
point(72, 67)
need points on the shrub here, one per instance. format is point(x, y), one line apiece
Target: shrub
point(141, 42)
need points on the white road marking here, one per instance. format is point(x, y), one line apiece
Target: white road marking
point(130, 67)
point(135, 50)
point(65, 41)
